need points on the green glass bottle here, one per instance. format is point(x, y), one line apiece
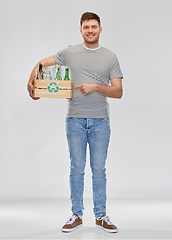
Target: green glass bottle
point(58, 74)
point(67, 75)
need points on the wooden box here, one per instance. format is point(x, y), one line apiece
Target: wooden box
point(52, 88)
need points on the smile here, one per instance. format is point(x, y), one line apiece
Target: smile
point(90, 35)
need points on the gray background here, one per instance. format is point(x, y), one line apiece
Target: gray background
point(34, 159)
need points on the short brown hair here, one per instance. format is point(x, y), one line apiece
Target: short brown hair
point(88, 16)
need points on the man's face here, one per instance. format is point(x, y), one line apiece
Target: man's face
point(90, 31)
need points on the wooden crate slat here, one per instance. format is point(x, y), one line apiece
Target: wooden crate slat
point(45, 83)
point(46, 94)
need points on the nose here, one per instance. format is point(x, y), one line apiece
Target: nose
point(90, 29)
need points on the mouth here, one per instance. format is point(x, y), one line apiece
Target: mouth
point(90, 35)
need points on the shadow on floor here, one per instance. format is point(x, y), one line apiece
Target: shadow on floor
point(95, 233)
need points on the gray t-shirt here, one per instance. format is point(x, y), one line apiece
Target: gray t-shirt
point(89, 66)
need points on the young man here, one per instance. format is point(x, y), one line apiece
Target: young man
point(92, 68)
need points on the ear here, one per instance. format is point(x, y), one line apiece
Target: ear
point(100, 29)
point(81, 30)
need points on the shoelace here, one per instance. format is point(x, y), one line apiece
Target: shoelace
point(106, 219)
point(71, 220)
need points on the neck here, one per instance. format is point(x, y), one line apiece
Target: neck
point(91, 45)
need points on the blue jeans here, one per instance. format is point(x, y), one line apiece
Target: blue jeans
point(95, 132)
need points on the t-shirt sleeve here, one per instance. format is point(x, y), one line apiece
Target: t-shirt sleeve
point(115, 70)
point(60, 57)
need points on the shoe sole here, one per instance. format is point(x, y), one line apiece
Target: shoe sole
point(71, 229)
point(108, 230)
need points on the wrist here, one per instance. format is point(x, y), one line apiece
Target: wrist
point(96, 87)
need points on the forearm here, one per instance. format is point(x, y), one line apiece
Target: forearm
point(109, 91)
point(113, 91)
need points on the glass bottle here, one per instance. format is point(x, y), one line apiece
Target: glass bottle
point(40, 71)
point(58, 74)
point(54, 71)
point(47, 73)
point(67, 74)
point(36, 73)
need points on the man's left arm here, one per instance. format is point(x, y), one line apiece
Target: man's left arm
point(113, 91)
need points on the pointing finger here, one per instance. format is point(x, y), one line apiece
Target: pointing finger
point(78, 86)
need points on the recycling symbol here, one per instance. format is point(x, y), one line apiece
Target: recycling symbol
point(53, 87)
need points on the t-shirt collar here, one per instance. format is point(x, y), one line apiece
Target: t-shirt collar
point(91, 48)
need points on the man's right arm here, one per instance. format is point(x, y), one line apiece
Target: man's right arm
point(46, 62)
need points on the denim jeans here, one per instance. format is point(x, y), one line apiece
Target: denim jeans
point(95, 132)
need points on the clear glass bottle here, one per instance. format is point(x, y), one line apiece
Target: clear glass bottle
point(47, 73)
point(36, 73)
point(54, 71)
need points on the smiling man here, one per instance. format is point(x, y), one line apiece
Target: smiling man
point(96, 75)
point(90, 30)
